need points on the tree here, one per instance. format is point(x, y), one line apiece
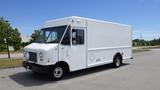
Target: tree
point(16, 39)
point(34, 36)
point(9, 35)
point(141, 42)
point(4, 26)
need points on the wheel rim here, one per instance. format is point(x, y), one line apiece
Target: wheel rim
point(118, 62)
point(58, 72)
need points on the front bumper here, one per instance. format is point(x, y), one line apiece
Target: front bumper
point(36, 67)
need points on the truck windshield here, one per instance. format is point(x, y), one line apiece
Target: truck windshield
point(51, 35)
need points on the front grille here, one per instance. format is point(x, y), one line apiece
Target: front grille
point(33, 56)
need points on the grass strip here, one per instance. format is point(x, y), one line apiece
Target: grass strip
point(10, 63)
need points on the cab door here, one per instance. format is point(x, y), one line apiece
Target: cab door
point(65, 47)
point(78, 48)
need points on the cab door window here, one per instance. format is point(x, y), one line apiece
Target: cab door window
point(77, 36)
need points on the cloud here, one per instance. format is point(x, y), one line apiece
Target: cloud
point(25, 38)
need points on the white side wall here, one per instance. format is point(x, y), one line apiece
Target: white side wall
point(105, 40)
point(108, 35)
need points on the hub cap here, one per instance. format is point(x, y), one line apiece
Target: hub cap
point(118, 62)
point(58, 72)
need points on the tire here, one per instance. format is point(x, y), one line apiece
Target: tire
point(57, 72)
point(117, 61)
point(34, 72)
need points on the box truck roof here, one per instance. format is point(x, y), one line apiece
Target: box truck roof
point(67, 20)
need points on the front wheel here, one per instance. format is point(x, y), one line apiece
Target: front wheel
point(57, 72)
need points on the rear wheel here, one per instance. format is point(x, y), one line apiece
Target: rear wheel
point(57, 72)
point(117, 61)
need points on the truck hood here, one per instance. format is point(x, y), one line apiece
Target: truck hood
point(40, 46)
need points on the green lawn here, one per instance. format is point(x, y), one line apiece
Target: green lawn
point(9, 63)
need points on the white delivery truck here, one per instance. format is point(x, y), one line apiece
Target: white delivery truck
point(74, 43)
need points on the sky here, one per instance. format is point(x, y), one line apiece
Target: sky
point(29, 15)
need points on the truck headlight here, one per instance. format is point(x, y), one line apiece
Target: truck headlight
point(24, 53)
point(41, 55)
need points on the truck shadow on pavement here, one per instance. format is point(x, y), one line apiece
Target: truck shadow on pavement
point(29, 79)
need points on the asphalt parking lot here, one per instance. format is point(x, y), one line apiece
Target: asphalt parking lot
point(141, 73)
